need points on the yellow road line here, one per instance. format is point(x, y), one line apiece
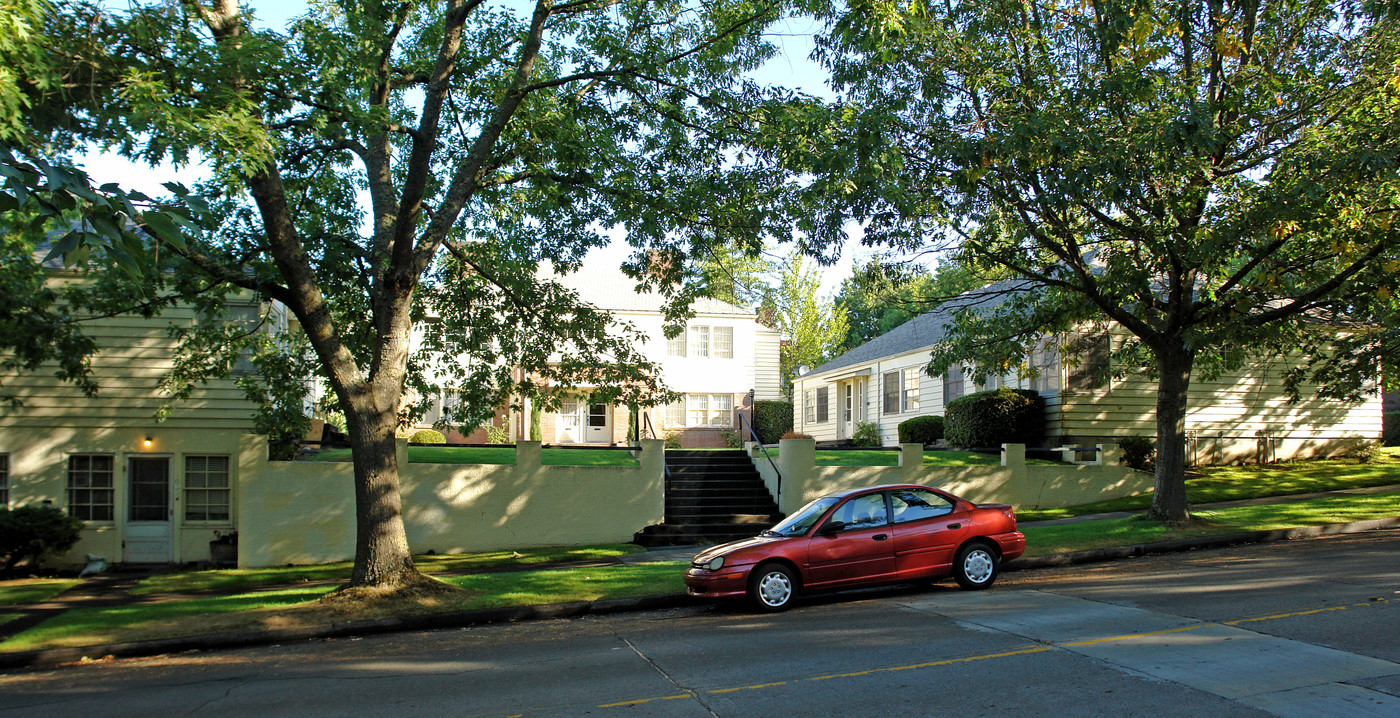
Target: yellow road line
point(748, 688)
point(1238, 621)
point(640, 701)
point(1135, 635)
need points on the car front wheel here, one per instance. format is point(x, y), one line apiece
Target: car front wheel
point(976, 566)
point(772, 587)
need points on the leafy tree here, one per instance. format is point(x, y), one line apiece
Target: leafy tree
point(485, 141)
point(737, 274)
point(1214, 177)
point(813, 327)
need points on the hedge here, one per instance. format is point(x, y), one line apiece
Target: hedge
point(921, 430)
point(28, 533)
point(772, 419)
point(993, 418)
point(427, 436)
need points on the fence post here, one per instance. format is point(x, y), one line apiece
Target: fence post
point(797, 461)
point(911, 460)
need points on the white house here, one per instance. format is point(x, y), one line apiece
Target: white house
point(1244, 416)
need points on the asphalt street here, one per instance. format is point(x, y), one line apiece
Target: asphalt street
point(1303, 628)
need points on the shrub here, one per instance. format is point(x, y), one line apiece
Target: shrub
point(1138, 451)
point(28, 533)
point(992, 418)
point(732, 439)
point(867, 434)
point(673, 439)
point(790, 434)
point(427, 436)
point(496, 435)
point(771, 419)
point(921, 430)
point(536, 417)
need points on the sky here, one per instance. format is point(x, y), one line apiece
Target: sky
point(790, 68)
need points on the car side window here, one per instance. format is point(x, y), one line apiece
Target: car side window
point(863, 512)
point(918, 504)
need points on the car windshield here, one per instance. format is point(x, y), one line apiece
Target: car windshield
point(802, 521)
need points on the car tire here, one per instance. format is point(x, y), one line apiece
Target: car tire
point(976, 566)
point(772, 587)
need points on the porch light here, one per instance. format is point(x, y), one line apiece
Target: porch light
point(147, 442)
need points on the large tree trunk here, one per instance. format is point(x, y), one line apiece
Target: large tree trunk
point(1174, 378)
point(382, 556)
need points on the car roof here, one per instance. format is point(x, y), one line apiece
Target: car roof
point(882, 487)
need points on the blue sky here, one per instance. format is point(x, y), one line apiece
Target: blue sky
point(791, 68)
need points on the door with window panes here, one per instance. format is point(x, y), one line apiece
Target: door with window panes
point(149, 534)
point(598, 428)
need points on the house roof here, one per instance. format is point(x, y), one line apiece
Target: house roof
point(924, 330)
point(606, 287)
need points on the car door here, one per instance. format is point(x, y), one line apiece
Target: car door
point(928, 529)
point(861, 552)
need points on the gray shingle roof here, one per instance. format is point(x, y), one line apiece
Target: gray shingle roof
point(924, 330)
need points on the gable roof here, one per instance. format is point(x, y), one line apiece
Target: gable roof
point(924, 330)
point(606, 287)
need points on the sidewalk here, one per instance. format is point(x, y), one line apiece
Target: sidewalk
point(113, 589)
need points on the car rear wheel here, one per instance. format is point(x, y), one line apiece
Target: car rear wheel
point(772, 587)
point(976, 566)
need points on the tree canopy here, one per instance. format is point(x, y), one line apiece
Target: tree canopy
point(1218, 177)
point(381, 167)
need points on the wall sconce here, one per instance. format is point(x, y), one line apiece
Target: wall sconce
point(147, 442)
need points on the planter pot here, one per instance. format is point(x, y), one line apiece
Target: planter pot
point(223, 554)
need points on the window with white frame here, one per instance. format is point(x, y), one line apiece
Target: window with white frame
point(206, 488)
point(1046, 360)
point(809, 405)
point(823, 405)
point(723, 338)
point(247, 318)
point(4, 481)
point(721, 410)
point(1090, 368)
point(910, 390)
point(952, 383)
point(90, 487)
point(675, 346)
point(697, 409)
point(700, 341)
point(889, 392)
point(569, 414)
point(675, 413)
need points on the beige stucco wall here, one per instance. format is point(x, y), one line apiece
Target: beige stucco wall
point(304, 512)
point(1014, 482)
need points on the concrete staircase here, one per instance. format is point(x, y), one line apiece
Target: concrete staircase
point(711, 497)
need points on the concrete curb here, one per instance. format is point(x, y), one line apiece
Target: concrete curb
point(458, 619)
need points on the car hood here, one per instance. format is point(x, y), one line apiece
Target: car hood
point(726, 549)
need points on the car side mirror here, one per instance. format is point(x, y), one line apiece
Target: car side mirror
point(831, 527)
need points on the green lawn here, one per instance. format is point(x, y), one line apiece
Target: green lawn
point(1063, 538)
point(224, 579)
point(32, 590)
point(871, 457)
point(494, 455)
point(1208, 484)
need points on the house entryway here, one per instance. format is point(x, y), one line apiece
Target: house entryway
point(149, 532)
point(599, 424)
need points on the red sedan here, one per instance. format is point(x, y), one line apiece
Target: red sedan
point(878, 534)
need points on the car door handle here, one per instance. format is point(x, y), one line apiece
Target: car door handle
point(880, 537)
point(954, 526)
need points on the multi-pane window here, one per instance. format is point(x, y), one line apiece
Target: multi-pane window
point(910, 390)
point(246, 317)
point(1046, 360)
point(723, 339)
point(809, 406)
point(889, 392)
point(569, 414)
point(721, 410)
point(700, 341)
point(848, 402)
point(1090, 371)
point(4, 481)
point(206, 488)
point(823, 405)
point(699, 409)
point(675, 346)
point(952, 383)
point(90, 490)
point(675, 413)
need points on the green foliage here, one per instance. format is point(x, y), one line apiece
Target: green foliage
point(771, 419)
point(813, 327)
point(921, 430)
point(673, 439)
point(732, 439)
point(536, 417)
point(993, 418)
point(28, 533)
point(867, 434)
point(1392, 428)
point(496, 435)
point(1138, 452)
point(737, 273)
point(427, 436)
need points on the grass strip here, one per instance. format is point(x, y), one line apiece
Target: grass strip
point(1064, 538)
point(491, 455)
point(225, 579)
point(530, 588)
point(33, 590)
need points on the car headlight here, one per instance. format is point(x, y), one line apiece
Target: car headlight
point(715, 563)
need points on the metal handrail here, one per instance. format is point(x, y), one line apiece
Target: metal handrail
point(749, 424)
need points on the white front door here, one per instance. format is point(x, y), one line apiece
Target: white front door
point(149, 534)
point(599, 420)
point(850, 409)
